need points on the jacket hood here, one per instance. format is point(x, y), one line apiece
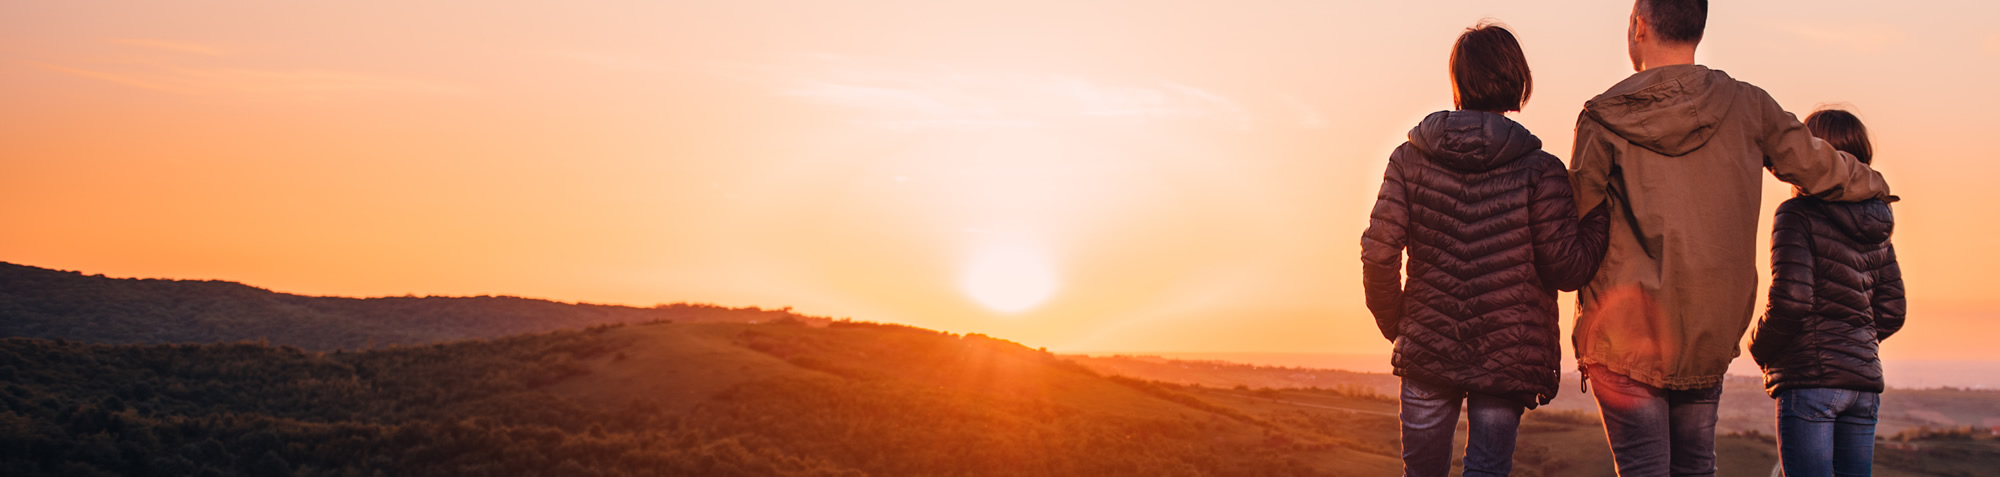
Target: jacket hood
point(1472, 141)
point(1868, 222)
point(1671, 110)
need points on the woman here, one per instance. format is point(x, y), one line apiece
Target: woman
point(1489, 222)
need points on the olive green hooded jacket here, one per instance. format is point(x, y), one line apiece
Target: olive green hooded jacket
point(1680, 152)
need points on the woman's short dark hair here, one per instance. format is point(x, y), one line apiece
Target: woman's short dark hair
point(1488, 70)
point(1676, 21)
point(1842, 130)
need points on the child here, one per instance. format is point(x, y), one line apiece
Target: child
point(1836, 293)
point(1490, 225)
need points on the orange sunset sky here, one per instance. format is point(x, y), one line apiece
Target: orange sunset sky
point(1080, 175)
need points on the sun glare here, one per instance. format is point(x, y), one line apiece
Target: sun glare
point(1008, 278)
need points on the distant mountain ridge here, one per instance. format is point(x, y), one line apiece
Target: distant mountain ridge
point(56, 304)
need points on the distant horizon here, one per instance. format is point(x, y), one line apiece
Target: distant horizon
point(405, 295)
point(1914, 373)
point(1903, 373)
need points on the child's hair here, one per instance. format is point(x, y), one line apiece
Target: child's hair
point(1488, 71)
point(1843, 130)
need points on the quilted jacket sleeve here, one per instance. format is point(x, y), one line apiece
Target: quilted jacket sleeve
point(1567, 250)
point(1791, 285)
point(1888, 298)
point(1382, 247)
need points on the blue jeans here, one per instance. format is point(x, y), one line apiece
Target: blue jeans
point(1430, 417)
point(1655, 431)
point(1827, 432)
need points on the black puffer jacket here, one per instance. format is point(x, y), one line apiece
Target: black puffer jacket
point(1836, 293)
point(1490, 225)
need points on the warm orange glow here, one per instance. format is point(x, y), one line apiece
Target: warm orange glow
point(1086, 176)
point(1009, 278)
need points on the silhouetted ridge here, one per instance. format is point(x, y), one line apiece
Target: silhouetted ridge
point(43, 303)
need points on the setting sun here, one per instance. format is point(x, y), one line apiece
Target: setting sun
point(1009, 278)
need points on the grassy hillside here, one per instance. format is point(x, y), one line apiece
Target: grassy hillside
point(655, 399)
point(716, 391)
point(1227, 374)
point(723, 399)
point(43, 303)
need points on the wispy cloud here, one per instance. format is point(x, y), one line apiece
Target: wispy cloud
point(172, 46)
point(312, 81)
point(941, 97)
point(885, 98)
point(1308, 116)
point(175, 76)
point(609, 60)
point(124, 79)
point(1862, 38)
point(1230, 110)
point(259, 81)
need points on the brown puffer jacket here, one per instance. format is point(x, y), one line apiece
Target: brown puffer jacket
point(1490, 225)
point(1836, 293)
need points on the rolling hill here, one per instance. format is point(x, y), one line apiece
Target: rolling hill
point(43, 303)
point(719, 392)
point(777, 398)
point(650, 399)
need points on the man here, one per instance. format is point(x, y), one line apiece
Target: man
point(1678, 150)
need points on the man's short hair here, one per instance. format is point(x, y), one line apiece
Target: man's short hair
point(1488, 71)
point(1676, 21)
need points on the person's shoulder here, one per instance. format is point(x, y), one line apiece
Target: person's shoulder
point(1744, 89)
point(1587, 123)
point(1405, 152)
point(1804, 206)
point(1542, 160)
point(1407, 158)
